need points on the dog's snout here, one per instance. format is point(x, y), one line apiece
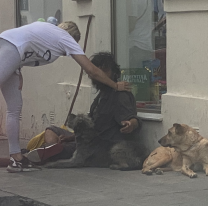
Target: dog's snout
point(164, 141)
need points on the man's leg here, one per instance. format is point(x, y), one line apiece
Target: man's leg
point(51, 137)
point(52, 148)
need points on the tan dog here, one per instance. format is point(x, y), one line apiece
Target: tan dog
point(190, 145)
point(162, 159)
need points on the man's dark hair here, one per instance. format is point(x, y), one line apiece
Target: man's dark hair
point(105, 61)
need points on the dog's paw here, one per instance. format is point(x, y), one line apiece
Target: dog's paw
point(193, 175)
point(158, 171)
point(148, 172)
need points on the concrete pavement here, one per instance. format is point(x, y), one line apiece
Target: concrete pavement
point(100, 187)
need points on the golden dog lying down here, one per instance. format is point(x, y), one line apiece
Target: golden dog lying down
point(162, 159)
point(182, 148)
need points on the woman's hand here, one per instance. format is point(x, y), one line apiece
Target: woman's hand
point(97, 74)
point(123, 86)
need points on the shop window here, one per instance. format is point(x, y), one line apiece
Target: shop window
point(140, 49)
point(29, 11)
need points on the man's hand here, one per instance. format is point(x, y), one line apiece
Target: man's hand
point(63, 138)
point(127, 127)
point(123, 86)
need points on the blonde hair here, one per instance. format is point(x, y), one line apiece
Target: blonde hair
point(72, 29)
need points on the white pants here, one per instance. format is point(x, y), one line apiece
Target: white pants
point(9, 84)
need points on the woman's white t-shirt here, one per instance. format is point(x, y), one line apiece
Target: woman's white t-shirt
point(41, 43)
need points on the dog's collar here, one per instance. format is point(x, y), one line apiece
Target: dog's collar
point(191, 146)
point(188, 148)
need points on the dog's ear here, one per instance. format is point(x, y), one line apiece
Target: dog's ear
point(179, 129)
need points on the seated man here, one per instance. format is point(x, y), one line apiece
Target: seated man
point(113, 113)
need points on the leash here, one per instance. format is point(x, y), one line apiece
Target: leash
point(81, 72)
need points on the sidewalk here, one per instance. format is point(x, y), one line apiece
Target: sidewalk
point(100, 187)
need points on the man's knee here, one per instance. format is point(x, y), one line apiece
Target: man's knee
point(50, 137)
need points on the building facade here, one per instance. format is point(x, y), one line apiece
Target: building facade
point(160, 45)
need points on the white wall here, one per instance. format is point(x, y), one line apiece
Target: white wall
point(187, 35)
point(7, 14)
point(7, 21)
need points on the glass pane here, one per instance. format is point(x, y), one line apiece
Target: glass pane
point(32, 10)
point(141, 49)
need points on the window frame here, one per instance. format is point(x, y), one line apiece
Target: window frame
point(59, 13)
point(114, 52)
point(18, 14)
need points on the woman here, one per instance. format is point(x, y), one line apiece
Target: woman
point(37, 44)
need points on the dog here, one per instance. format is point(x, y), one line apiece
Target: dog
point(128, 155)
point(162, 159)
point(189, 145)
point(93, 152)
